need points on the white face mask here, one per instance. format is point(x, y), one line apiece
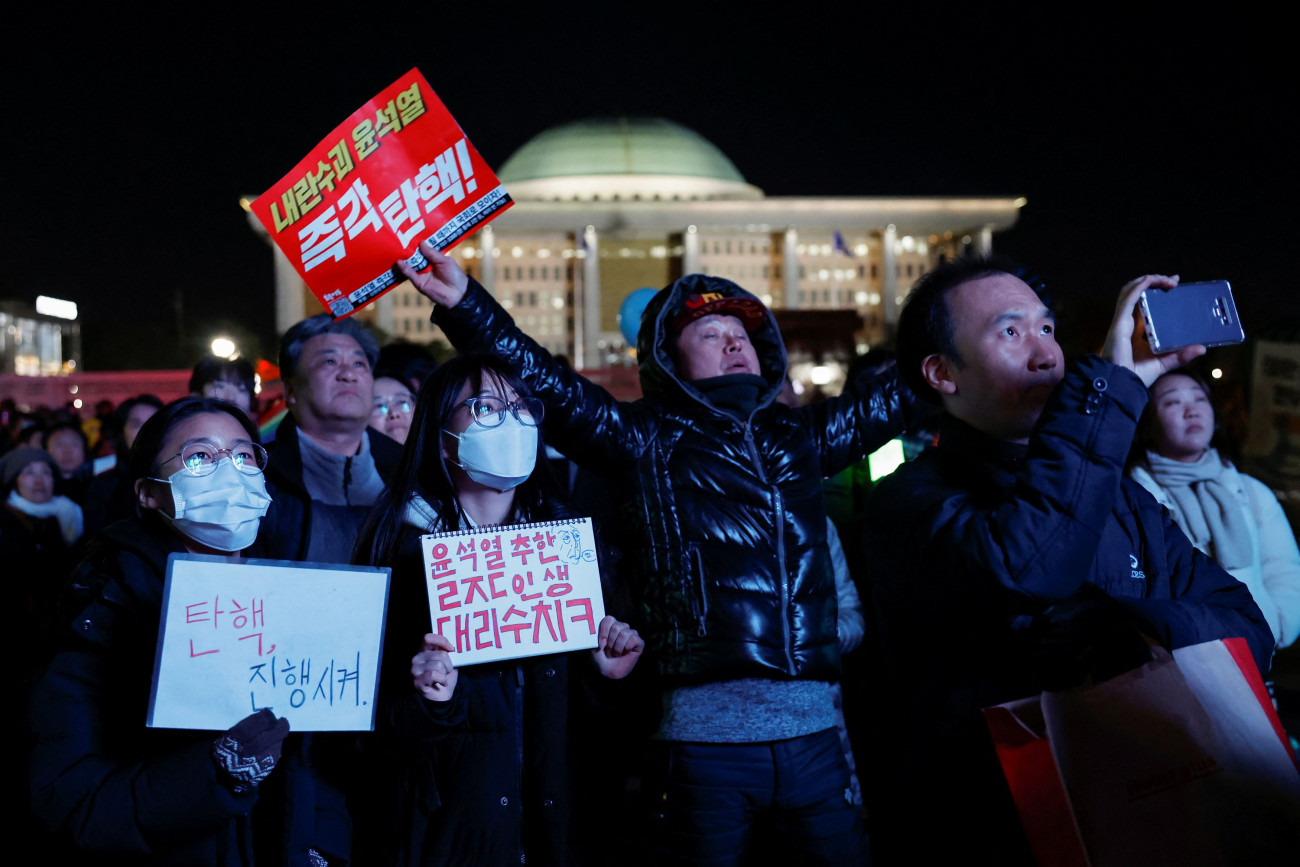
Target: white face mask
point(220, 510)
point(500, 457)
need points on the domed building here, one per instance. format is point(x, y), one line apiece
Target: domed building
point(622, 159)
point(605, 206)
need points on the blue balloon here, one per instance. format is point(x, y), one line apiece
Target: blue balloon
point(629, 314)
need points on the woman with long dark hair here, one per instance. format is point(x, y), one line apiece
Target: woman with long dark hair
point(1178, 456)
point(479, 753)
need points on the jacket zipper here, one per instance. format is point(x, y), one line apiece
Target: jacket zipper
point(779, 502)
point(702, 613)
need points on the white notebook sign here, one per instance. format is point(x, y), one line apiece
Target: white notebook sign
point(505, 592)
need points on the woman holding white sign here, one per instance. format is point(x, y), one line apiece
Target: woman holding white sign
point(116, 790)
point(482, 750)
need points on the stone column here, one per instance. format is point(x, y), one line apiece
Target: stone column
point(588, 317)
point(289, 290)
point(487, 245)
point(691, 251)
point(889, 273)
point(790, 264)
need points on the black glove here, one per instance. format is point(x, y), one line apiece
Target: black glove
point(249, 750)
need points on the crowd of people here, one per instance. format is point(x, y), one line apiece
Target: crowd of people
point(714, 723)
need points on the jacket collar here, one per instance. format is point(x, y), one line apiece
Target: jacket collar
point(284, 465)
point(959, 437)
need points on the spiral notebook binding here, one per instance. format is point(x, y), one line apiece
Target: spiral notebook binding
point(496, 528)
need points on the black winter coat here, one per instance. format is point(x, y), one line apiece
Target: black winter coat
point(1001, 570)
point(124, 793)
point(724, 519)
point(480, 779)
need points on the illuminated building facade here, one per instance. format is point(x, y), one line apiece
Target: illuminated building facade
point(604, 207)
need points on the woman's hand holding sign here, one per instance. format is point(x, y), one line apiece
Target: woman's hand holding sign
point(432, 670)
point(618, 650)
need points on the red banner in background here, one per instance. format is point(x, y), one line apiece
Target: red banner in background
point(397, 172)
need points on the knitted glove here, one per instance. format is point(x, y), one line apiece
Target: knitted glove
point(248, 751)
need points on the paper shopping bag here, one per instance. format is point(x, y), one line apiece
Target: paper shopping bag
point(1177, 761)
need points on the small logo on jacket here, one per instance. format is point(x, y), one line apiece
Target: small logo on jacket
point(1135, 572)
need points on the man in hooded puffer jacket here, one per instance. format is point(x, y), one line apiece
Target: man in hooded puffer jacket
point(721, 510)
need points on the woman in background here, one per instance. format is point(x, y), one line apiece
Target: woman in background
point(1227, 514)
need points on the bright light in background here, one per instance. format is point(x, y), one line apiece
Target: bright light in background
point(1216, 373)
point(223, 347)
point(820, 374)
point(77, 403)
point(47, 306)
point(257, 384)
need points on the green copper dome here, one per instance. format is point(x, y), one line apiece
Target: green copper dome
point(618, 146)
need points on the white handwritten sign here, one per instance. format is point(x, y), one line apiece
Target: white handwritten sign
point(300, 639)
point(516, 590)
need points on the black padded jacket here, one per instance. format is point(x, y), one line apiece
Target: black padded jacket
point(723, 519)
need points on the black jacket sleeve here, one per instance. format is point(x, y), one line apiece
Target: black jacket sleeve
point(583, 420)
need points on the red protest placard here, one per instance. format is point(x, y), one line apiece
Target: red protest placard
point(397, 172)
point(513, 591)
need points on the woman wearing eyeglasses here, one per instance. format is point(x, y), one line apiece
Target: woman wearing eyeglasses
point(115, 790)
point(481, 753)
point(393, 406)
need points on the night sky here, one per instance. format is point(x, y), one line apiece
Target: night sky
point(1141, 146)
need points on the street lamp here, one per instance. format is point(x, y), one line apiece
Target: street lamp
point(223, 347)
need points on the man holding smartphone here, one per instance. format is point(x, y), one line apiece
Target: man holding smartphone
point(1015, 557)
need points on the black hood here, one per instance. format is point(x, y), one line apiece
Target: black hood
point(659, 378)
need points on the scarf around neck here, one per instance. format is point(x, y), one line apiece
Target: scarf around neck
point(1213, 516)
point(67, 512)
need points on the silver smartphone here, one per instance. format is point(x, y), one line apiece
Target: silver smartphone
point(1189, 314)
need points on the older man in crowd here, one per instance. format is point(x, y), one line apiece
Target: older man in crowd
point(326, 466)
